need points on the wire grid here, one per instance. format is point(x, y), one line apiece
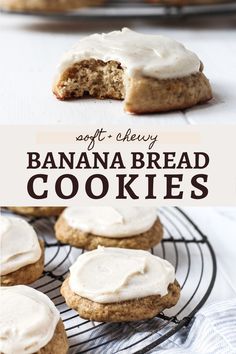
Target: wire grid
point(137, 9)
point(184, 245)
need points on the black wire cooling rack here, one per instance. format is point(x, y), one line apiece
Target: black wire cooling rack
point(139, 9)
point(184, 245)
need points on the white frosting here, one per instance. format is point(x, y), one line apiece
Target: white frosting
point(111, 222)
point(108, 275)
point(139, 54)
point(19, 244)
point(28, 320)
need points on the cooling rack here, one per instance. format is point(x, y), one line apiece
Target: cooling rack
point(184, 245)
point(139, 9)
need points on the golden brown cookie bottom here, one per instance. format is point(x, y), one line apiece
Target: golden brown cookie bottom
point(27, 274)
point(37, 211)
point(131, 310)
point(80, 239)
point(58, 344)
point(141, 94)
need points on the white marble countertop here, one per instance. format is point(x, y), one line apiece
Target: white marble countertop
point(31, 48)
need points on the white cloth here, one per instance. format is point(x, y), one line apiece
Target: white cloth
point(213, 332)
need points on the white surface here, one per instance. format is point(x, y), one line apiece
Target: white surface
point(32, 47)
point(219, 225)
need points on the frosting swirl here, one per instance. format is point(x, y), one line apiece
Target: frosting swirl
point(108, 275)
point(19, 244)
point(111, 222)
point(139, 54)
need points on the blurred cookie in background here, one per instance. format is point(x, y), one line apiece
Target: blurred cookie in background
point(38, 211)
point(47, 5)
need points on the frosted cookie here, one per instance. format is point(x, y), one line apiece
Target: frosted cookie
point(129, 227)
point(47, 5)
point(30, 323)
point(151, 73)
point(22, 254)
point(116, 285)
point(38, 211)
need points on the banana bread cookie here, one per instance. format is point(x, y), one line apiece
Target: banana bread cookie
point(37, 211)
point(151, 73)
point(22, 254)
point(47, 5)
point(30, 323)
point(89, 227)
point(119, 285)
